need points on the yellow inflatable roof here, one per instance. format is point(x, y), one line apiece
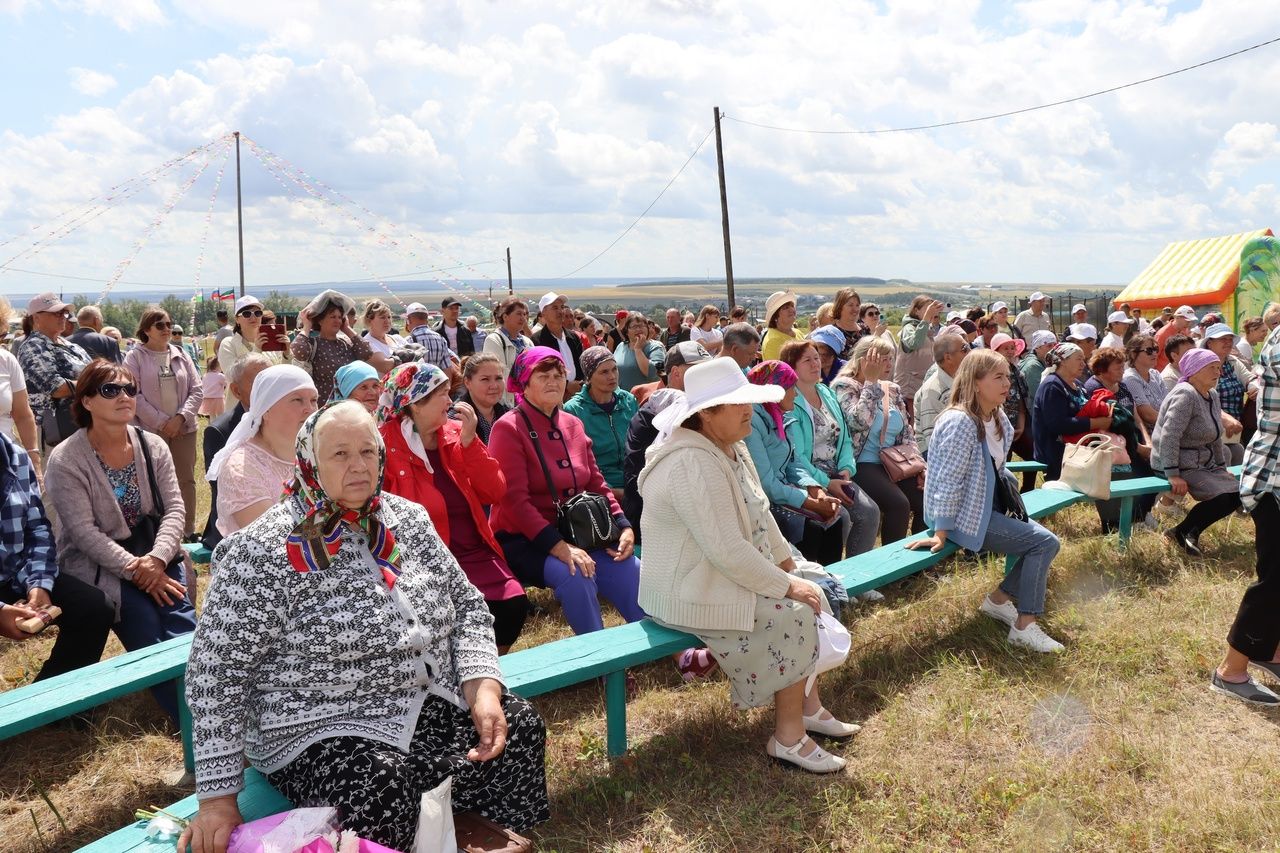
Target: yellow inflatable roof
point(1190, 272)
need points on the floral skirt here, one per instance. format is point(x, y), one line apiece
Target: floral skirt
point(780, 650)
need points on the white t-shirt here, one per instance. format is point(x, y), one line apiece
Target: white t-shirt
point(571, 373)
point(1111, 339)
point(393, 342)
point(712, 336)
point(451, 334)
point(995, 445)
point(12, 381)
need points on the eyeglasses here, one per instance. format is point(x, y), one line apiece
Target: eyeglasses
point(1151, 350)
point(162, 324)
point(250, 312)
point(873, 313)
point(66, 315)
point(111, 390)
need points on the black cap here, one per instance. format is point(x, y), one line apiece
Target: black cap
point(449, 301)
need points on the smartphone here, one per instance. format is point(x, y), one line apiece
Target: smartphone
point(276, 337)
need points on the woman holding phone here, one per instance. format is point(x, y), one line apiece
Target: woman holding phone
point(248, 335)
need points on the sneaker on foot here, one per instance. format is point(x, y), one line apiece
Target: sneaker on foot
point(1248, 691)
point(1034, 638)
point(1270, 666)
point(1006, 613)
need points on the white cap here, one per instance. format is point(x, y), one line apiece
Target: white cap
point(1187, 313)
point(999, 306)
point(415, 308)
point(247, 302)
point(1036, 297)
point(1078, 307)
point(547, 299)
point(1082, 332)
point(1118, 317)
point(955, 315)
point(1218, 330)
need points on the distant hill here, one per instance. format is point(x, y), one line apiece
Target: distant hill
point(840, 281)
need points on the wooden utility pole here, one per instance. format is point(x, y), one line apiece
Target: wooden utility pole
point(724, 211)
point(511, 289)
point(239, 214)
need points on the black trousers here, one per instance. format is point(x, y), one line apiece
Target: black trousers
point(87, 617)
point(508, 618)
point(1209, 512)
point(899, 502)
point(1256, 631)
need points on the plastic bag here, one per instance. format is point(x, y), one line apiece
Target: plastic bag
point(435, 820)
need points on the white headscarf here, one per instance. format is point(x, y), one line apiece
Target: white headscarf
point(269, 387)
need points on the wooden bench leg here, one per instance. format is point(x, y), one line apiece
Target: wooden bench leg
point(1126, 521)
point(615, 705)
point(184, 721)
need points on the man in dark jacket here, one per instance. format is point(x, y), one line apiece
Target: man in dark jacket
point(240, 375)
point(557, 333)
point(90, 338)
point(461, 341)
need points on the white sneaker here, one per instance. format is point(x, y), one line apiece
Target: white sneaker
point(1032, 637)
point(1006, 613)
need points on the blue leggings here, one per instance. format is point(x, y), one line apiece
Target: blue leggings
point(619, 583)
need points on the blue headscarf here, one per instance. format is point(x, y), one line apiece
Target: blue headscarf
point(349, 376)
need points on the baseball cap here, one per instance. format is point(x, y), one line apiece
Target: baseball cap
point(687, 352)
point(1081, 332)
point(1036, 297)
point(1187, 313)
point(547, 299)
point(247, 302)
point(1042, 337)
point(1078, 307)
point(46, 302)
point(176, 329)
point(449, 302)
point(1118, 317)
point(999, 306)
point(415, 308)
point(955, 315)
point(1218, 330)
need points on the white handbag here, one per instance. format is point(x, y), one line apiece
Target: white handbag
point(834, 644)
point(1086, 466)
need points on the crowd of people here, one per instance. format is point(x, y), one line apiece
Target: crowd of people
point(382, 501)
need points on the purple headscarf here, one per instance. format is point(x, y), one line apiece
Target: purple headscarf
point(1194, 361)
point(524, 365)
point(773, 373)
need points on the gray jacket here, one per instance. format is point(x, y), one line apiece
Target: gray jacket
point(89, 516)
point(1188, 433)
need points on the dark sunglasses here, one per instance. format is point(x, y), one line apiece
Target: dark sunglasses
point(250, 312)
point(66, 315)
point(1150, 350)
point(111, 390)
point(162, 324)
point(873, 313)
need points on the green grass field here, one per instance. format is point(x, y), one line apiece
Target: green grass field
point(1116, 745)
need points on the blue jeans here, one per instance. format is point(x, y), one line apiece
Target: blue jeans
point(580, 595)
point(144, 623)
point(1033, 548)
point(859, 523)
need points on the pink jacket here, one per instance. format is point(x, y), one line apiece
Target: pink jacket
point(190, 389)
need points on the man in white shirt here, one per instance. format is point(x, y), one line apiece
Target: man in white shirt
point(1035, 318)
point(1117, 324)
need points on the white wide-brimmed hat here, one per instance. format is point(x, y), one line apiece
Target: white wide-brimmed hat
point(717, 382)
point(775, 301)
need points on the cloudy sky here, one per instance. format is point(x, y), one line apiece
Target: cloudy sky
point(458, 129)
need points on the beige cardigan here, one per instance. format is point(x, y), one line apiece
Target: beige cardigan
point(89, 517)
point(700, 569)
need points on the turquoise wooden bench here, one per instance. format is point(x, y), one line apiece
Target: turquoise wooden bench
point(1020, 465)
point(199, 554)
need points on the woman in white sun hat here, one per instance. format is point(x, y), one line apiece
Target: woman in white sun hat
point(717, 566)
point(779, 321)
point(1119, 330)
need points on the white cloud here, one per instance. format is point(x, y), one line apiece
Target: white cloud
point(86, 81)
point(125, 14)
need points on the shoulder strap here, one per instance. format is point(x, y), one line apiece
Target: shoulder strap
point(542, 460)
point(157, 502)
point(884, 427)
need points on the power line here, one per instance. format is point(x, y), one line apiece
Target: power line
point(1010, 112)
point(645, 211)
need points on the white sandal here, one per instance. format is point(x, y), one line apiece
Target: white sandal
point(817, 761)
point(830, 727)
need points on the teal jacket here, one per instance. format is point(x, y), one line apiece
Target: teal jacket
point(607, 430)
point(785, 481)
point(800, 431)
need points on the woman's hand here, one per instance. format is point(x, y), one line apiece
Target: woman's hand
point(1100, 424)
point(836, 487)
point(934, 543)
point(626, 546)
point(1231, 426)
point(489, 720)
point(1144, 450)
point(304, 322)
point(467, 417)
point(11, 615)
point(874, 365)
point(825, 506)
point(575, 558)
point(167, 591)
point(172, 427)
point(210, 830)
point(805, 593)
point(1178, 486)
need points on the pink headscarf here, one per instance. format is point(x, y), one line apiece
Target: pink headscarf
point(526, 362)
point(1194, 361)
point(773, 373)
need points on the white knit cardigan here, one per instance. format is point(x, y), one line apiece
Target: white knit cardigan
point(701, 570)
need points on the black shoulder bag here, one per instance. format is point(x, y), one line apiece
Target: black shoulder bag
point(142, 538)
point(583, 520)
point(56, 422)
point(1006, 499)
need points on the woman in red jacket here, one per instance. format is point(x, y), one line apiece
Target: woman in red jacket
point(443, 465)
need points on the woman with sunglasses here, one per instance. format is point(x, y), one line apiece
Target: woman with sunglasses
point(247, 337)
point(119, 485)
point(170, 393)
point(870, 316)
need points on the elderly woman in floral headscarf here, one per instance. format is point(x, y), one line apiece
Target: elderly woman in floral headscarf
point(443, 465)
point(524, 521)
point(805, 513)
point(344, 654)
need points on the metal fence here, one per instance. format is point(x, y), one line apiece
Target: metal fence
point(1059, 305)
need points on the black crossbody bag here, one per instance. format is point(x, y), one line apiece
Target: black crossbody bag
point(142, 538)
point(583, 520)
point(1006, 499)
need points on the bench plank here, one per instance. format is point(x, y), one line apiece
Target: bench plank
point(541, 669)
point(1021, 465)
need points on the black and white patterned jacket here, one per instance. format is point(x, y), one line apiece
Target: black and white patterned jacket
point(283, 659)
